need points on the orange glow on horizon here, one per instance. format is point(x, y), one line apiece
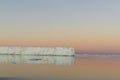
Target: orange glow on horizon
point(79, 42)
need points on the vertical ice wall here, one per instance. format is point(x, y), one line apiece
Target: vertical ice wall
point(37, 50)
point(29, 59)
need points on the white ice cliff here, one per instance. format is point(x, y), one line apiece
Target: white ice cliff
point(29, 59)
point(37, 50)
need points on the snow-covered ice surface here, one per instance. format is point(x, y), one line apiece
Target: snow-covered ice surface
point(42, 55)
point(38, 50)
point(30, 59)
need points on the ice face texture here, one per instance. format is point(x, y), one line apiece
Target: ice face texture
point(38, 50)
point(29, 59)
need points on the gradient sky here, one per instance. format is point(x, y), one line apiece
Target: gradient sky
point(82, 24)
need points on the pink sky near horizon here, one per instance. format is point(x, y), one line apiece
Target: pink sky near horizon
point(83, 25)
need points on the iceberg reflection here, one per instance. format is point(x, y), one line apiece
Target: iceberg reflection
point(31, 59)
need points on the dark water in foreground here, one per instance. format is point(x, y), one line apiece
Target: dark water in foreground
point(28, 67)
point(5, 78)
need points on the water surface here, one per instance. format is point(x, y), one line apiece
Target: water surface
point(72, 68)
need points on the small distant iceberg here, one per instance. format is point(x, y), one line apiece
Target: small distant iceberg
point(49, 51)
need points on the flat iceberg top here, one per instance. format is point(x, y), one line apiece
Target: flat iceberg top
point(37, 50)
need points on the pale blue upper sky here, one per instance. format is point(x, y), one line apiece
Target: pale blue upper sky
point(60, 7)
point(80, 19)
point(59, 10)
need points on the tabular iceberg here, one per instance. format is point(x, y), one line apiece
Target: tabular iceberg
point(38, 50)
point(31, 59)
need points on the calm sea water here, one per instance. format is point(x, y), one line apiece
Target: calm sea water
point(28, 67)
